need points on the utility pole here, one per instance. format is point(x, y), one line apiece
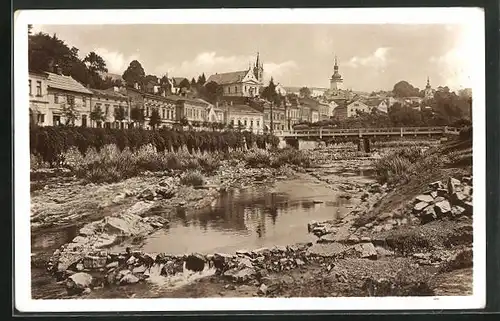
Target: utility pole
point(271, 115)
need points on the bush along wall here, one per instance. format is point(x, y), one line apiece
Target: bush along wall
point(50, 143)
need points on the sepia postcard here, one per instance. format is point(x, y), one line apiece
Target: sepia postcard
point(253, 159)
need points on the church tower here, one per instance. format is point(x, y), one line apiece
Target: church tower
point(336, 80)
point(258, 69)
point(428, 92)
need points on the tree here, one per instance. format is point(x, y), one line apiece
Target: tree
point(185, 84)
point(155, 119)
point(305, 92)
point(137, 114)
point(119, 113)
point(269, 93)
point(97, 115)
point(193, 83)
point(184, 121)
point(212, 92)
point(70, 114)
point(405, 89)
point(95, 63)
point(201, 80)
point(134, 73)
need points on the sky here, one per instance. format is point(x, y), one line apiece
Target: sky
point(371, 57)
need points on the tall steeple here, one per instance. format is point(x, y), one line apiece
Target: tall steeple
point(428, 83)
point(336, 80)
point(258, 70)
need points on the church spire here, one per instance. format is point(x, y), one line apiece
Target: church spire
point(257, 63)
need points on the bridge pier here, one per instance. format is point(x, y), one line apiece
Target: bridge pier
point(364, 145)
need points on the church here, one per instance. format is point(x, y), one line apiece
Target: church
point(337, 90)
point(245, 83)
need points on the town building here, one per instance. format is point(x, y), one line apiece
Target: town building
point(215, 114)
point(244, 117)
point(245, 83)
point(377, 103)
point(357, 106)
point(292, 112)
point(192, 109)
point(114, 106)
point(39, 99)
point(54, 96)
point(166, 106)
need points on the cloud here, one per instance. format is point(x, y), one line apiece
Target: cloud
point(457, 65)
point(115, 61)
point(211, 63)
point(279, 72)
point(377, 59)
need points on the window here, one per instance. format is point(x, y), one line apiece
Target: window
point(38, 88)
point(107, 125)
point(245, 122)
point(56, 98)
point(70, 99)
point(251, 123)
point(232, 122)
point(235, 89)
point(84, 100)
point(56, 120)
point(84, 120)
point(41, 118)
point(106, 110)
point(147, 111)
point(30, 87)
point(229, 89)
point(258, 123)
point(163, 112)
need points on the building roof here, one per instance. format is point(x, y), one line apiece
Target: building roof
point(372, 101)
point(227, 77)
point(170, 98)
point(67, 83)
point(198, 101)
point(178, 80)
point(240, 108)
point(108, 93)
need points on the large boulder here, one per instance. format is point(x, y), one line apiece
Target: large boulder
point(366, 250)
point(94, 262)
point(129, 279)
point(453, 184)
point(442, 207)
point(419, 207)
point(424, 198)
point(241, 275)
point(147, 194)
point(78, 282)
point(195, 262)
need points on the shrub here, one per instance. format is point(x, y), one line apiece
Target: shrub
point(209, 163)
point(391, 168)
point(292, 157)
point(466, 133)
point(192, 178)
point(258, 158)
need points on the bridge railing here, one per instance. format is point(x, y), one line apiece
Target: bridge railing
point(359, 131)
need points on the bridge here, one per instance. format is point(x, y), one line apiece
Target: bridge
point(367, 132)
point(361, 135)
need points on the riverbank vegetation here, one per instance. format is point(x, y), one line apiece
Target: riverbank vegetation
point(49, 144)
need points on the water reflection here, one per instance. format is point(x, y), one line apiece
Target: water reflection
point(245, 218)
point(51, 240)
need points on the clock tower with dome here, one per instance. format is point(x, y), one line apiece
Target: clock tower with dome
point(336, 81)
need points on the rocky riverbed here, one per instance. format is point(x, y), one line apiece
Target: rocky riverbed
point(415, 250)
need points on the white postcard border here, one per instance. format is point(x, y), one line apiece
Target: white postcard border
point(472, 17)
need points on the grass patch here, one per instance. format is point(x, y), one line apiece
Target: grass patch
point(192, 178)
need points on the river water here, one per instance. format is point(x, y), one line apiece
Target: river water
point(250, 218)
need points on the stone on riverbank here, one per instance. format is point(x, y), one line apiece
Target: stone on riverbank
point(78, 282)
point(195, 262)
